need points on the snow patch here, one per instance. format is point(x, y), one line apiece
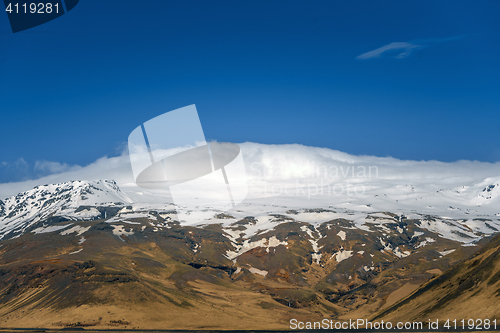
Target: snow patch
point(258, 271)
point(52, 228)
point(342, 255)
point(316, 256)
point(444, 253)
point(119, 230)
point(247, 246)
point(427, 240)
point(78, 229)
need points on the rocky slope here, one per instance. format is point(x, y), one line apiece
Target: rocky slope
point(469, 290)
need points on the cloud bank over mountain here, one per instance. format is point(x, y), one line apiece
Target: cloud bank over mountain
point(310, 176)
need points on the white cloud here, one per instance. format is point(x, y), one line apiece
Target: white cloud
point(48, 167)
point(21, 170)
point(117, 168)
point(319, 177)
point(403, 49)
point(399, 50)
point(17, 170)
point(20, 162)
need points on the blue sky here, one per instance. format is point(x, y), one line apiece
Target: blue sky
point(415, 80)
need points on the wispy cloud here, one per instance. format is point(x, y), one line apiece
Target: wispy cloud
point(399, 50)
point(44, 168)
point(14, 171)
point(20, 170)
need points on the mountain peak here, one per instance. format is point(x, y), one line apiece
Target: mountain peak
point(22, 210)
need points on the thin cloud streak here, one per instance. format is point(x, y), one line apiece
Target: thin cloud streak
point(400, 50)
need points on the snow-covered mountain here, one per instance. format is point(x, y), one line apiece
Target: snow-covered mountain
point(75, 200)
point(303, 253)
point(464, 220)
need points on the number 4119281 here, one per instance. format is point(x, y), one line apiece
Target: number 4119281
point(33, 8)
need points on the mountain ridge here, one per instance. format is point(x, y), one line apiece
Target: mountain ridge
point(77, 253)
point(64, 200)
